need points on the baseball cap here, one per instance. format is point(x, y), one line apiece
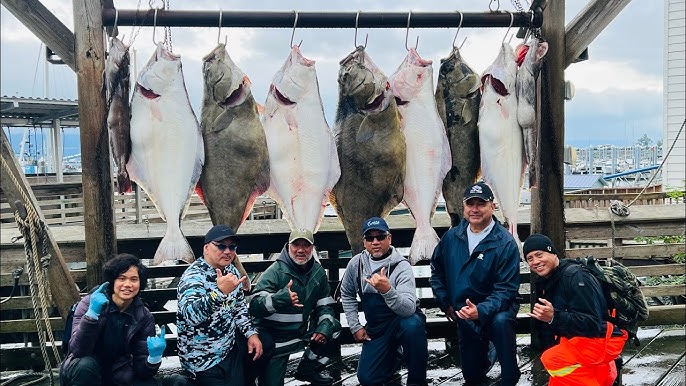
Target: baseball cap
point(304, 234)
point(538, 242)
point(219, 233)
point(374, 223)
point(479, 190)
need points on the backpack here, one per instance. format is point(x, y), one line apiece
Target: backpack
point(67, 329)
point(625, 301)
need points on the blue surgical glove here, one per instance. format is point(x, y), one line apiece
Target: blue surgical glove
point(156, 346)
point(98, 301)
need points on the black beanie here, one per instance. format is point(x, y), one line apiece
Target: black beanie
point(538, 242)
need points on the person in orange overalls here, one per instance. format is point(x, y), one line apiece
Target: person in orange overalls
point(571, 313)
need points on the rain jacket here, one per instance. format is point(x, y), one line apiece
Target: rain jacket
point(207, 319)
point(292, 327)
point(489, 277)
point(581, 345)
point(86, 340)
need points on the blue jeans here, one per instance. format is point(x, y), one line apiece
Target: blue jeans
point(379, 359)
point(474, 341)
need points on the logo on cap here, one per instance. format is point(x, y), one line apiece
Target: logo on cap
point(476, 189)
point(549, 248)
point(374, 222)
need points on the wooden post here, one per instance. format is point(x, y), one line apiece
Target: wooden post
point(100, 231)
point(547, 199)
point(62, 287)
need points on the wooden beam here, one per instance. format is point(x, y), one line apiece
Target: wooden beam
point(100, 231)
point(14, 185)
point(588, 24)
point(547, 202)
point(48, 28)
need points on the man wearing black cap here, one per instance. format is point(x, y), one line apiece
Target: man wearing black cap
point(211, 307)
point(475, 280)
point(384, 281)
point(571, 306)
point(292, 305)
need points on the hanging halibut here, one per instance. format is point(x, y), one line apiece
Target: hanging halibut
point(529, 57)
point(166, 148)
point(427, 149)
point(117, 85)
point(457, 97)
point(236, 169)
point(302, 153)
point(500, 137)
point(371, 146)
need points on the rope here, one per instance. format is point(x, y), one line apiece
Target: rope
point(38, 285)
point(618, 208)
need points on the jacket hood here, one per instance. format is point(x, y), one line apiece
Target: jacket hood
point(286, 259)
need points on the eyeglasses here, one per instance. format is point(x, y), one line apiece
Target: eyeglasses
point(381, 237)
point(222, 247)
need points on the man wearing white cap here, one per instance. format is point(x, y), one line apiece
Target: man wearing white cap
point(292, 305)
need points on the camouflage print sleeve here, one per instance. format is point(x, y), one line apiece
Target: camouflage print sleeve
point(196, 303)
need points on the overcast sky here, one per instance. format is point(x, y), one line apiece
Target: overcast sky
point(618, 90)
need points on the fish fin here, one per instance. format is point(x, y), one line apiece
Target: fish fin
point(200, 193)
point(423, 243)
point(222, 122)
point(123, 182)
point(466, 114)
point(260, 110)
point(366, 131)
point(173, 247)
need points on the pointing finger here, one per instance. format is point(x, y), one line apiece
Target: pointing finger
point(383, 271)
point(469, 303)
point(544, 301)
point(219, 272)
point(103, 287)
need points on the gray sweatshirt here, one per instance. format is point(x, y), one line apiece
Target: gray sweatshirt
point(401, 298)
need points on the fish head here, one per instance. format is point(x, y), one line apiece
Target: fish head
point(161, 73)
point(118, 54)
point(408, 80)
point(529, 54)
point(361, 81)
point(458, 76)
point(296, 78)
point(502, 73)
point(224, 81)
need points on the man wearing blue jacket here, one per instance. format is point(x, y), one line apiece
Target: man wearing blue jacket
point(475, 280)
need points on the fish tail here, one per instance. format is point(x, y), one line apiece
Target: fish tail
point(423, 243)
point(173, 247)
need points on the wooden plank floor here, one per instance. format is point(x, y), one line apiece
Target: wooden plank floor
point(659, 360)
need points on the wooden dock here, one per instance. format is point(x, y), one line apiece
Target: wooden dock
point(660, 360)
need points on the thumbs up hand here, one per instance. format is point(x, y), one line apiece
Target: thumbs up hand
point(294, 295)
point(468, 312)
point(98, 300)
point(156, 346)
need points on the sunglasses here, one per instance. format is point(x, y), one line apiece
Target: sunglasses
point(380, 237)
point(222, 247)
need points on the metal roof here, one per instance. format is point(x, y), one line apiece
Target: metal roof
point(583, 181)
point(20, 111)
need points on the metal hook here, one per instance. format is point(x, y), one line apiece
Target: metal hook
point(295, 23)
point(407, 32)
point(458, 28)
point(508, 28)
point(219, 33)
point(154, 26)
point(357, 18)
point(497, 8)
point(116, 19)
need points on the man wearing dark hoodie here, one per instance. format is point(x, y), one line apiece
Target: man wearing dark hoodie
point(292, 304)
point(384, 281)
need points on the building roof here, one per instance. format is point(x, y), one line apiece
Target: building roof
point(20, 111)
point(583, 181)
